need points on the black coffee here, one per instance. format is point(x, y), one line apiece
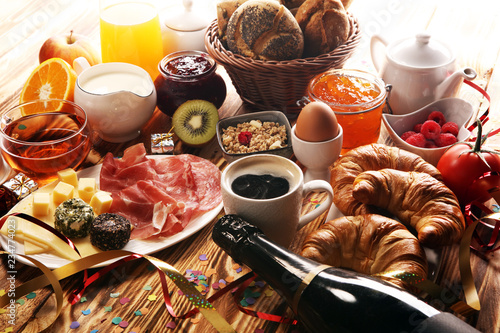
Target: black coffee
point(260, 186)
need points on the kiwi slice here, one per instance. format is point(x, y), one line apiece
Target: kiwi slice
point(195, 121)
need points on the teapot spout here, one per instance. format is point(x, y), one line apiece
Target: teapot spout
point(450, 86)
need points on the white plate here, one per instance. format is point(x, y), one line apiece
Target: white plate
point(134, 245)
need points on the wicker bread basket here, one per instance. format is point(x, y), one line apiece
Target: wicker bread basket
point(276, 85)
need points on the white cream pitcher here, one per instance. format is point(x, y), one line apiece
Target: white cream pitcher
point(420, 69)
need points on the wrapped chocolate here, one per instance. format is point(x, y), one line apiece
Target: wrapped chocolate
point(14, 190)
point(162, 143)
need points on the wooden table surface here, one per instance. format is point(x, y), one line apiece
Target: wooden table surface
point(471, 27)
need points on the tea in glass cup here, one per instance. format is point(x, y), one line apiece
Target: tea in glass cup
point(357, 98)
point(131, 32)
point(40, 138)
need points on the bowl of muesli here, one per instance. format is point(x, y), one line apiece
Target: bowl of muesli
point(264, 132)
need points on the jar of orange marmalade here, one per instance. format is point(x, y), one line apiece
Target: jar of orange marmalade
point(357, 98)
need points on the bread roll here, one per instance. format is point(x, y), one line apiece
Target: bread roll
point(369, 244)
point(225, 10)
point(417, 200)
point(325, 25)
point(264, 30)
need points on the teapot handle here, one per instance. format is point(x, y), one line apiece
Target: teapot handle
point(377, 56)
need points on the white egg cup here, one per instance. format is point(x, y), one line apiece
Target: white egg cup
point(317, 156)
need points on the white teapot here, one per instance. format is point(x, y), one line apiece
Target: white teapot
point(421, 70)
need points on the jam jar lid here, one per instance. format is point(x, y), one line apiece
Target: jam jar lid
point(187, 64)
point(186, 17)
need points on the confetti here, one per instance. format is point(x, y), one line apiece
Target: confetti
point(83, 299)
point(94, 331)
point(230, 278)
point(236, 266)
point(138, 313)
point(114, 295)
point(74, 325)
point(2, 292)
point(260, 283)
point(20, 301)
point(144, 311)
point(269, 292)
point(31, 295)
point(244, 303)
point(152, 298)
point(136, 329)
point(9, 329)
point(180, 293)
point(171, 325)
point(211, 272)
point(2, 311)
point(123, 324)
point(216, 285)
point(203, 257)
point(108, 308)
point(124, 300)
point(86, 312)
point(204, 263)
point(250, 300)
point(116, 320)
point(147, 287)
point(239, 270)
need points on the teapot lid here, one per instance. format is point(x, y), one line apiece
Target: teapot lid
point(420, 51)
point(186, 18)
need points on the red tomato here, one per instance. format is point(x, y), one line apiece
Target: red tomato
point(462, 166)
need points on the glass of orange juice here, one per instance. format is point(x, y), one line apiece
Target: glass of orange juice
point(131, 32)
point(357, 98)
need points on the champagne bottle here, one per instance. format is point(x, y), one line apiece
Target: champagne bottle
point(328, 299)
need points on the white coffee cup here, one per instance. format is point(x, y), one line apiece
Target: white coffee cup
point(279, 218)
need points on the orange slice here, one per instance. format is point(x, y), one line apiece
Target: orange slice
point(53, 78)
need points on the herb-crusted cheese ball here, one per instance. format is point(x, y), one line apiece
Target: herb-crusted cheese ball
point(73, 218)
point(110, 231)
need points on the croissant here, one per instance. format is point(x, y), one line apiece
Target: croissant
point(417, 200)
point(371, 157)
point(369, 244)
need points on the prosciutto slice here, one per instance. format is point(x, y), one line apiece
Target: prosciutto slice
point(159, 196)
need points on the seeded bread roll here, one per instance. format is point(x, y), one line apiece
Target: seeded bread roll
point(264, 30)
point(225, 10)
point(325, 25)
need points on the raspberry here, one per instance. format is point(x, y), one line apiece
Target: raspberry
point(431, 130)
point(417, 140)
point(417, 128)
point(446, 139)
point(438, 117)
point(406, 135)
point(244, 138)
point(450, 127)
point(430, 144)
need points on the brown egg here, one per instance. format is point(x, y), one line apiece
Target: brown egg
point(316, 122)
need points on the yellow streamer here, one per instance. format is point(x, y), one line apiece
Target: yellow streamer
point(53, 278)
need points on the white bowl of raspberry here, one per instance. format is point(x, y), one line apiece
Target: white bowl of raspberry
point(429, 131)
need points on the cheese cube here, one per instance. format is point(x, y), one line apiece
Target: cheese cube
point(62, 192)
point(101, 202)
point(68, 176)
point(41, 203)
point(86, 188)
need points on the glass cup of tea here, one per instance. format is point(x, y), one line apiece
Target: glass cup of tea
point(42, 137)
point(131, 32)
point(357, 98)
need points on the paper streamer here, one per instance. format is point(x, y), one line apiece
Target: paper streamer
point(53, 277)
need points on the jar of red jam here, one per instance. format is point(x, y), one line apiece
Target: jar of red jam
point(187, 75)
